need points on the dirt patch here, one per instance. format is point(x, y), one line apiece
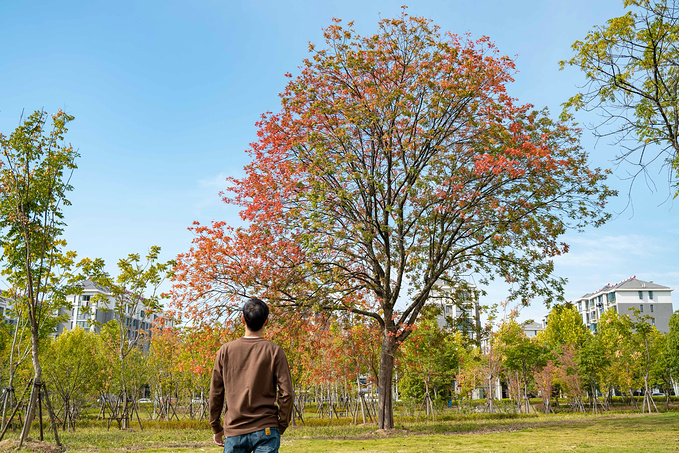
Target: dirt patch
point(30, 445)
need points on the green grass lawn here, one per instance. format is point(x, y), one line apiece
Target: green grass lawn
point(608, 432)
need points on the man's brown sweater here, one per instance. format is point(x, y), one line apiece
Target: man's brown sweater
point(251, 375)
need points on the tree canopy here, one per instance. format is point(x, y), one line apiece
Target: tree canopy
point(632, 81)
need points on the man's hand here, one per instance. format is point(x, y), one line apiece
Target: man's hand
point(219, 439)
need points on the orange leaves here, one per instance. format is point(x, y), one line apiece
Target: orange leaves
point(496, 165)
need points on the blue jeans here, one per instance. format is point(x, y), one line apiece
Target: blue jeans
point(257, 442)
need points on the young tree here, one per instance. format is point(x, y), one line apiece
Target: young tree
point(570, 376)
point(592, 360)
point(72, 367)
point(16, 350)
point(672, 347)
point(563, 337)
point(132, 294)
point(564, 327)
point(397, 161)
point(34, 179)
point(521, 354)
point(630, 66)
point(623, 369)
point(492, 350)
point(430, 359)
point(660, 373)
point(646, 336)
point(544, 381)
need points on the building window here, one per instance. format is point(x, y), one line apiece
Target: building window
point(652, 321)
point(641, 294)
point(650, 294)
point(651, 308)
point(641, 308)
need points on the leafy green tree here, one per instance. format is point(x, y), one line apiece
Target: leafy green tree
point(632, 81)
point(646, 336)
point(564, 327)
point(564, 336)
point(430, 360)
point(72, 367)
point(34, 180)
point(592, 361)
point(134, 292)
point(672, 347)
point(623, 369)
point(661, 373)
point(522, 355)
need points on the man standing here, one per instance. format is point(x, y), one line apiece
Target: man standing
point(252, 376)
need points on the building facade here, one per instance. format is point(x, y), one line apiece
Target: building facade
point(531, 329)
point(459, 307)
point(87, 313)
point(5, 306)
point(627, 298)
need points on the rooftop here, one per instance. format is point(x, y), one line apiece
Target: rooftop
point(630, 284)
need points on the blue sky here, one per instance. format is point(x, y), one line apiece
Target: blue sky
point(166, 94)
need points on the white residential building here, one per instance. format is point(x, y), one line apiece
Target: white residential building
point(5, 305)
point(626, 298)
point(459, 306)
point(88, 314)
point(532, 329)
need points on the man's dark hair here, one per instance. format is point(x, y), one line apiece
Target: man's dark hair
point(255, 313)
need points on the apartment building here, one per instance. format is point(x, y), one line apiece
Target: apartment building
point(459, 307)
point(531, 329)
point(626, 298)
point(5, 306)
point(90, 314)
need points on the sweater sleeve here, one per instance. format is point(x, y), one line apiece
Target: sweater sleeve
point(285, 395)
point(217, 393)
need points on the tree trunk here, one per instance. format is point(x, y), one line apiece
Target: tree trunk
point(8, 400)
point(648, 399)
point(37, 378)
point(124, 409)
point(9, 395)
point(385, 404)
point(491, 394)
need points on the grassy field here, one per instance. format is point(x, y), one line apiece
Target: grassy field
point(609, 432)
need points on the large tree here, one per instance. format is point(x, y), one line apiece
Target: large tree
point(397, 163)
point(632, 82)
point(35, 169)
